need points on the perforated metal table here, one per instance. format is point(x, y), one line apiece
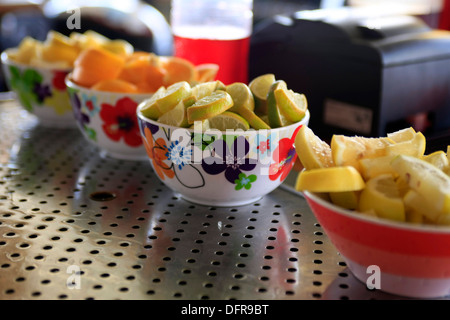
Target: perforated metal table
point(74, 225)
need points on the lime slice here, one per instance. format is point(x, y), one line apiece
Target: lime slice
point(177, 116)
point(259, 87)
point(242, 96)
point(201, 126)
point(253, 120)
point(428, 180)
point(204, 89)
point(312, 151)
point(381, 195)
point(173, 95)
point(228, 120)
point(276, 119)
point(292, 105)
point(332, 179)
point(150, 107)
point(209, 106)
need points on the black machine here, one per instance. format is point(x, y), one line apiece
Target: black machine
point(362, 74)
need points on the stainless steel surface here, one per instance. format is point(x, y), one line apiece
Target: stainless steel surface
point(74, 225)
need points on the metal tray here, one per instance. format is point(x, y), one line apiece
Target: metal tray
point(74, 225)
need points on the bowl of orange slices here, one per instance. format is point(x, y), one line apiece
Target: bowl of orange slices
point(105, 89)
point(385, 205)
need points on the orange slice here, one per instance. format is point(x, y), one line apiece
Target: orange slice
point(178, 69)
point(115, 85)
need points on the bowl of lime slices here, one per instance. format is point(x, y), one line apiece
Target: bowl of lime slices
point(209, 144)
point(385, 205)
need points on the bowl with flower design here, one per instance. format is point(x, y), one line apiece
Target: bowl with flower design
point(40, 89)
point(108, 120)
point(219, 168)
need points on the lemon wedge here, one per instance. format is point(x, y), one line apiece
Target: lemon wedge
point(332, 179)
point(259, 87)
point(312, 151)
point(381, 194)
point(209, 106)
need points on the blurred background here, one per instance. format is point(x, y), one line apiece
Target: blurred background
point(362, 71)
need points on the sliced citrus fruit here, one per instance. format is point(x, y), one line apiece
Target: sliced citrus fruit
point(150, 107)
point(292, 105)
point(402, 135)
point(438, 159)
point(425, 178)
point(348, 150)
point(253, 120)
point(312, 151)
point(228, 120)
point(26, 50)
point(119, 46)
point(372, 167)
point(115, 85)
point(58, 47)
point(346, 199)
point(413, 147)
point(414, 201)
point(381, 194)
point(201, 125)
point(177, 116)
point(173, 95)
point(242, 96)
point(276, 118)
point(209, 106)
point(206, 72)
point(260, 88)
point(204, 89)
point(94, 65)
point(332, 179)
point(142, 72)
point(178, 69)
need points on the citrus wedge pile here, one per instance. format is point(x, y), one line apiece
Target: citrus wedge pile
point(222, 107)
point(109, 65)
point(389, 177)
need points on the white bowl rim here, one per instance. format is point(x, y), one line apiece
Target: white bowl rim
point(7, 61)
point(378, 221)
point(304, 121)
point(71, 84)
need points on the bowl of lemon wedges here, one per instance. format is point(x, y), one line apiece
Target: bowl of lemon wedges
point(385, 205)
point(223, 145)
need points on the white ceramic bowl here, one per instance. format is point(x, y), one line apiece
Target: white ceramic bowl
point(108, 120)
point(41, 91)
point(395, 257)
point(235, 168)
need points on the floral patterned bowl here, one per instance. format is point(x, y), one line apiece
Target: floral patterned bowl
point(108, 120)
point(220, 168)
point(41, 91)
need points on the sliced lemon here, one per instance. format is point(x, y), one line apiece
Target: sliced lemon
point(242, 97)
point(292, 105)
point(348, 150)
point(27, 50)
point(381, 194)
point(228, 120)
point(276, 118)
point(438, 159)
point(177, 116)
point(402, 135)
point(312, 151)
point(150, 107)
point(332, 179)
point(414, 201)
point(425, 178)
point(372, 167)
point(346, 199)
point(209, 106)
point(173, 95)
point(259, 87)
point(119, 46)
point(413, 147)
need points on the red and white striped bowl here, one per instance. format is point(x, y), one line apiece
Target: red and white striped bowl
point(411, 260)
